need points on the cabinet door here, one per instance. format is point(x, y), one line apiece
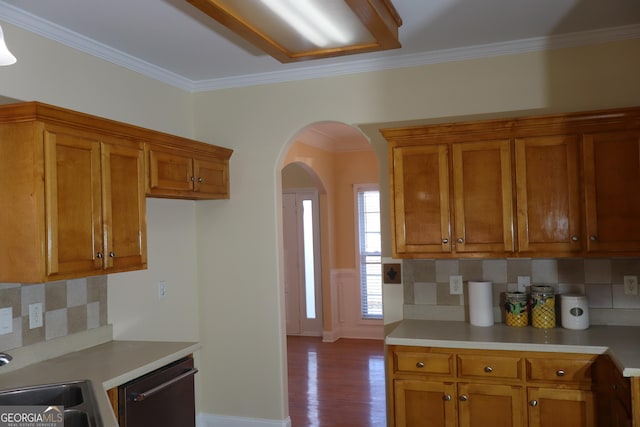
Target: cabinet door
point(211, 177)
point(73, 203)
point(170, 173)
point(420, 186)
point(550, 407)
point(612, 179)
point(484, 405)
point(483, 197)
point(124, 207)
point(548, 194)
point(424, 403)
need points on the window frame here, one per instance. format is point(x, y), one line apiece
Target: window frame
point(357, 189)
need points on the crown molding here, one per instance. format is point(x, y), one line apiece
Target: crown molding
point(47, 29)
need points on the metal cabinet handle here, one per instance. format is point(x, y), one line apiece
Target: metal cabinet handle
point(200, 179)
point(488, 369)
point(575, 238)
point(464, 398)
point(139, 397)
point(112, 254)
point(560, 373)
point(593, 238)
point(533, 403)
point(446, 397)
point(193, 178)
point(420, 365)
point(445, 241)
point(99, 255)
point(460, 240)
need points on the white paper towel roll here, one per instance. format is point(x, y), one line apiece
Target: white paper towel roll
point(480, 303)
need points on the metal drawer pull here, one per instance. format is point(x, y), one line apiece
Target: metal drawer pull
point(420, 365)
point(445, 241)
point(533, 403)
point(200, 179)
point(575, 238)
point(464, 398)
point(112, 254)
point(99, 255)
point(488, 369)
point(460, 240)
point(593, 238)
point(446, 397)
point(560, 373)
point(145, 394)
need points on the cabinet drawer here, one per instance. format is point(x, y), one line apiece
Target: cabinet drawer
point(424, 362)
point(560, 370)
point(479, 366)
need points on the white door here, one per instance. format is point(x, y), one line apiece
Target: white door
point(303, 288)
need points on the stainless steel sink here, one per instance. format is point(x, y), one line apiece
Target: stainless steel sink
point(80, 407)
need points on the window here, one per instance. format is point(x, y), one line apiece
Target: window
point(370, 251)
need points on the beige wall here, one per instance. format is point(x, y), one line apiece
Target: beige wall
point(237, 298)
point(572, 79)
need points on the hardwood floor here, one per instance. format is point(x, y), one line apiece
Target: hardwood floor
point(338, 384)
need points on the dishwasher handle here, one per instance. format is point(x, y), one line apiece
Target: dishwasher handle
point(139, 397)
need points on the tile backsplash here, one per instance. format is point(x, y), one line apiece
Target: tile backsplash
point(68, 307)
point(426, 285)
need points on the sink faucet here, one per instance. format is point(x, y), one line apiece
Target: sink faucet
point(5, 359)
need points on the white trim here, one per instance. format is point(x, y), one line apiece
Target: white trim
point(213, 420)
point(30, 22)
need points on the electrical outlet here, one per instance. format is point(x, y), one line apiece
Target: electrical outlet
point(6, 320)
point(455, 285)
point(631, 285)
point(523, 282)
point(35, 315)
point(162, 290)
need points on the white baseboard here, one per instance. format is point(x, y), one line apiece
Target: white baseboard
point(212, 420)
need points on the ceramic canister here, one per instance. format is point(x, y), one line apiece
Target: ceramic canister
point(574, 311)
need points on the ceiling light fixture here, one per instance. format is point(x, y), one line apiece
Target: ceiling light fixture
point(297, 30)
point(6, 57)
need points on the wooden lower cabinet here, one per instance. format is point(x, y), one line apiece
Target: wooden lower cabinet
point(482, 404)
point(555, 407)
point(425, 403)
point(492, 388)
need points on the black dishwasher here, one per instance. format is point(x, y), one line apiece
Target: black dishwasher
point(162, 398)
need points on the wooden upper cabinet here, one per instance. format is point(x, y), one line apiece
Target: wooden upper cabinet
point(612, 201)
point(72, 191)
point(420, 179)
point(73, 203)
point(561, 185)
point(177, 173)
point(548, 194)
point(124, 206)
point(483, 200)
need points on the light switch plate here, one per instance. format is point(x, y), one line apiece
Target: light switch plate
point(6, 320)
point(162, 289)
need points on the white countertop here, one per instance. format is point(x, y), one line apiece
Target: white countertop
point(622, 343)
point(107, 365)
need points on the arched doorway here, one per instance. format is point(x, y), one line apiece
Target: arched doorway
point(336, 159)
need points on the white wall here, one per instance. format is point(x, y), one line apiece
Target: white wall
point(236, 297)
